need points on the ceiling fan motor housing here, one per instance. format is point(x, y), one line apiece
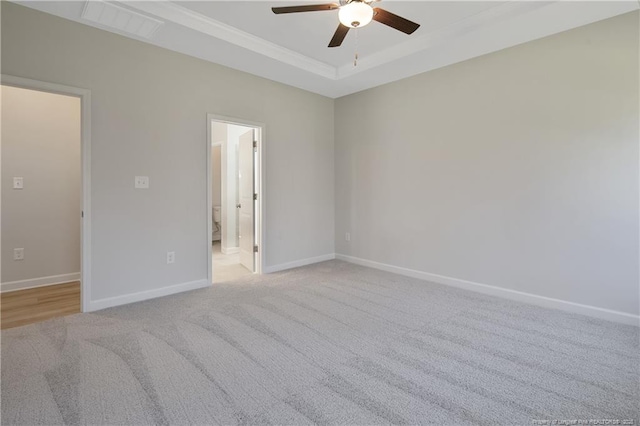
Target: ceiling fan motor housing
point(355, 14)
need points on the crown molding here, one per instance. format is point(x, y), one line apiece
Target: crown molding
point(198, 22)
point(503, 25)
point(206, 25)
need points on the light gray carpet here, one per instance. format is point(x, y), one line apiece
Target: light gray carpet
point(330, 343)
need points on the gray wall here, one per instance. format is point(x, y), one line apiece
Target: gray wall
point(149, 108)
point(41, 143)
point(518, 169)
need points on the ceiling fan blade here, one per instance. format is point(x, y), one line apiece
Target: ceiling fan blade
point(394, 21)
point(339, 35)
point(305, 8)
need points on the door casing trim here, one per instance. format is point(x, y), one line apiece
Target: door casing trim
point(85, 123)
point(260, 189)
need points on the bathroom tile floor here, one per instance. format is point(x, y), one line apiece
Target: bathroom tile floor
point(227, 267)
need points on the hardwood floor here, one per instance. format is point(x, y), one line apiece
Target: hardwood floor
point(24, 307)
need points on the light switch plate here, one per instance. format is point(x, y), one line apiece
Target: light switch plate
point(18, 183)
point(142, 182)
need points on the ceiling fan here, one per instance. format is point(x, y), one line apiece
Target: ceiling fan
point(354, 14)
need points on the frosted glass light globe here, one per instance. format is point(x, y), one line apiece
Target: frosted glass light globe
point(355, 14)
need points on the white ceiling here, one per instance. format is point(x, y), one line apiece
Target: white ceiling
point(291, 48)
point(309, 33)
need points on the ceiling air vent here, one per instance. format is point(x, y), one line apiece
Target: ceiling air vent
point(112, 16)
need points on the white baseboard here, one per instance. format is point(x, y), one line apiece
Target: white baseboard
point(96, 305)
point(39, 282)
point(298, 263)
point(547, 302)
point(230, 250)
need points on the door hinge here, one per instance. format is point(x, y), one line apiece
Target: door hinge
point(255, 196)
point(255, 144)
point(255, 249)
point(82, 214)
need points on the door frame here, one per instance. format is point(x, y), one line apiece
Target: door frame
point(260, 189)
point(85, 148)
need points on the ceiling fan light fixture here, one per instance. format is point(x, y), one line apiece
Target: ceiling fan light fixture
point(355, 14)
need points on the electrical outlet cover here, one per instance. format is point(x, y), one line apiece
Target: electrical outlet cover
point(18, 182)
point(18, 254)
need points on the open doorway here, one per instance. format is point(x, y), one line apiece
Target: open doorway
point(235, 182)
point(43, 137)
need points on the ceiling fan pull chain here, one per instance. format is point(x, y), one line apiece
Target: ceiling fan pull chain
point(355, 60)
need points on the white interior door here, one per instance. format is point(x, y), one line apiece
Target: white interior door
point(246, 205)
